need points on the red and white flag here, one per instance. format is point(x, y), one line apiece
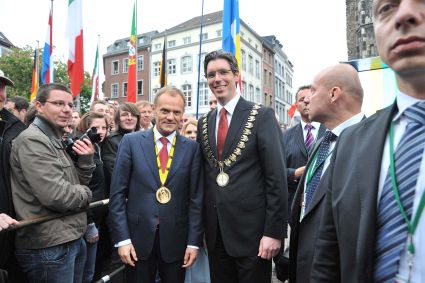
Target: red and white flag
point(76, 50)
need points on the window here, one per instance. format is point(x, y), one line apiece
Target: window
point(124, 89)
point(127, 43)
point(187, 92)
point(204, 36)
point(115, 68)
point(156, 68)
point(114, 90)
point(187, 40)
point(250, 64)
point(203, 94)
point(251, 93)
point(140, 64)
point(141, 40)
point(158, 46)
point(243, 59)
point(257, 69)
point(244, 89)
point(172, 66)
point(202, 60)
point(171, 43)
point(257, 95)
point(140, 87)
point(125, 65)
point(186, 64)
point(218, 33)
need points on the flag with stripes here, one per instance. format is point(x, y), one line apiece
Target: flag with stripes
point(47, 66)
point(132, 55)
point(76, 46)
point(163, 65)
point(34, 81)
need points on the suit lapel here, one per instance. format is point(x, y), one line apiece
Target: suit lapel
point(212, 118)
point(178, 156)
point(370, 151)
point(299, 139)
point(238, 118)
point(148, 149)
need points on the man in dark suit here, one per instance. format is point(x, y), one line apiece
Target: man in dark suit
point(156, 196)
point(246, 190)
point(335, 100)
point(377, 176)
point(298, 141)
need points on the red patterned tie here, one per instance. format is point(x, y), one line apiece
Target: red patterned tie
point(222, 132)
point(163, 154)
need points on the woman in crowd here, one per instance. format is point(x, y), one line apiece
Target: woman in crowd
point(97, 185)
point(190, 129)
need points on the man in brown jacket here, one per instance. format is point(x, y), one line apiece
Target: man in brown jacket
point(45, 181)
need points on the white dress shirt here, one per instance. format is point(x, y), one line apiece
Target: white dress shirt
point(314, 130)
point(230, 108)
point(400, 122)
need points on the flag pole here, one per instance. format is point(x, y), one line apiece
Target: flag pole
point(199, 61)
point(136, 42)
point(52, 66)
point(98, 68)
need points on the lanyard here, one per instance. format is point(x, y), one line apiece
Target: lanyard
point(411, 225)
point(163, 175)
point(312, 170)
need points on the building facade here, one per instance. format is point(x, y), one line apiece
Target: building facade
point(5, 45)
point(115, 64)
point(360, 35)
point(185, 68)
point(282, 77)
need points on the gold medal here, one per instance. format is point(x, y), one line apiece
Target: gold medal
point(163, 195)
point(222, 179)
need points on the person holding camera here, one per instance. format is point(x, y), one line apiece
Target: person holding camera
point(94, 126)
point(46, 180)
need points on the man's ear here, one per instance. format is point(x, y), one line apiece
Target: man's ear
point(335, 93)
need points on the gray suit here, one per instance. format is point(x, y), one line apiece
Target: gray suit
point(346, 241)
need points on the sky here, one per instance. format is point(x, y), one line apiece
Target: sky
point(312, 32)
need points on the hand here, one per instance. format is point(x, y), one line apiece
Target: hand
point(6, 221)
point(269, 247)
point(189, 257)
point(83, 147)
point(299, 172)
point(128, 255)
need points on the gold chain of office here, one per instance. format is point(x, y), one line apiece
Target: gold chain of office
point(239, 147)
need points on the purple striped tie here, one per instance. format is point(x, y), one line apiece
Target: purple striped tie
point(309, 138)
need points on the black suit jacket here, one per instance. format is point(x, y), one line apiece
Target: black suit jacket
point(296, 155)
point(304, 234)
point(136, 179)
point(254, 203)
point(346, 240)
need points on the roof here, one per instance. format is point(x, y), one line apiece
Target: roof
point(4, 41)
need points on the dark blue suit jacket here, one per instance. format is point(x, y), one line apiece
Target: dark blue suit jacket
point(136, 179)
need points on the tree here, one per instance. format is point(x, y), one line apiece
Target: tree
point(18, 66)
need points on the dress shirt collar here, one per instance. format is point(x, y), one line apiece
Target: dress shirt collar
point(158, 135)
point(230, 106)
point(404, 101)
point(347, 123)
point(316, 125)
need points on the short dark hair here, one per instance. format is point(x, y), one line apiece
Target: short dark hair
point(129, 107)
point(43, 92)
point(221, 54)
point(20, 102)
point(99, 101)
point(301, 88)
point(171, 90)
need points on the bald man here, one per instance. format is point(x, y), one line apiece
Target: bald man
point(335, 101)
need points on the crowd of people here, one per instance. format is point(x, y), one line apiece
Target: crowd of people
point(336, 198)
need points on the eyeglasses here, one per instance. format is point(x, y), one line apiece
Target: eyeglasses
point(61, 104)
point(221, 73)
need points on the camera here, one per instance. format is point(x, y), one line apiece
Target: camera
point(90, 134)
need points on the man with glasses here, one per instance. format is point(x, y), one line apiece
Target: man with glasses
point(245, 179)
point(45, 181)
